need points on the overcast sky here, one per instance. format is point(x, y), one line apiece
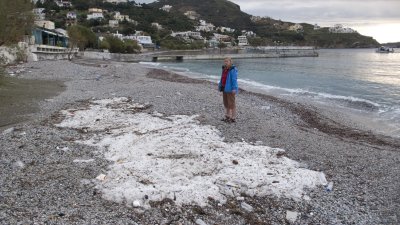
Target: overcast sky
point(377, 18)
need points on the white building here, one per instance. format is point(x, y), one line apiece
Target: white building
point(297, 27)
point(226, 29)
point(243, 41)
point(95, 10)
point(191, 15)
point(116, 1)
point(248, 33)
point(166, 8)
point(118, 16)
point(39, 13)
point(113, 23)
point(45, 24)
point(63, 3)
point(157, 25)
point(316, 27)
point(71, 15)
point(204, 26)
point(187, 35)
point(95, 16)
point(338, 28)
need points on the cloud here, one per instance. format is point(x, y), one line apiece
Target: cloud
point(323, 11)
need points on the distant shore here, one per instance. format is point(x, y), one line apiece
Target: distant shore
point(49, 176)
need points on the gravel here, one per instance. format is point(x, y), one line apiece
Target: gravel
point(41, 183)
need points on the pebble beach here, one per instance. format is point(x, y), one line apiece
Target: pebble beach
point(68, 162)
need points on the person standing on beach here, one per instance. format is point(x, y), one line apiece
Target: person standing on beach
point(229, 87)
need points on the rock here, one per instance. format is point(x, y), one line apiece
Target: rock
point(291, 216)
point(200, 222)
point(136, 204)
point(246, 207)
point(101, 177)
point(240, 198)
point(9, 130)
point(235, 162)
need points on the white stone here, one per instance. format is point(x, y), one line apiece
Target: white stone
point(291, 216)
point(247, 207)
point(101, 177)
point(200, 222)
point(136, 203)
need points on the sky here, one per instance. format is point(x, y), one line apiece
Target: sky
point(379, 19)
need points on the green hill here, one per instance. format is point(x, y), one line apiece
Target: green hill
point(268, 30)
point(219, 12)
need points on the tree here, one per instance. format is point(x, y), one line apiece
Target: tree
point(221, 45)
point(16, 20)
point(81, 37)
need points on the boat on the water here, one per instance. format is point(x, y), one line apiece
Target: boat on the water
point(384, 49)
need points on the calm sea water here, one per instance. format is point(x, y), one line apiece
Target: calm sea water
point(361, 81)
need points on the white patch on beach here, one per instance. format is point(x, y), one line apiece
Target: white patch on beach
point(178, 158)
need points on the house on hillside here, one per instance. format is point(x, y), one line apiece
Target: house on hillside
point(297, 27)
point(113, 23)
point(39, 13)
point(192, 15)
point(71, 19)
point(226, 29)
point(118, 16)
point(116, 1)
point(188, 35)
point(47, 24)
point(242, 41)
point(95, 13)
point(204, 26)
point(157, 26)
point(63, 3)
point(338, 28)
point(166, 8)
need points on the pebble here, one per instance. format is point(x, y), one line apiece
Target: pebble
point(246, 207)
point(200, 222)
point(291, 216)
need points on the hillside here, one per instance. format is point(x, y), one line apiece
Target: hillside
point(219, 12)
point(268, 30)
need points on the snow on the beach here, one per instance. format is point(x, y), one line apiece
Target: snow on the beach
point(176, 157)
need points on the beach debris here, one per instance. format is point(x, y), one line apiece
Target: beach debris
point(200, 163)
point(246, 207)
point(200, 222)
point(101, 177)
point(291, 216)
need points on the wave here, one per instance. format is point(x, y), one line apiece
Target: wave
point(349, 101)
point(153, 64)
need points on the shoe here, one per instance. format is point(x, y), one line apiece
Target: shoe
point(226, 119)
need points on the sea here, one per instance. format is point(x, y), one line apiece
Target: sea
point(358, 82)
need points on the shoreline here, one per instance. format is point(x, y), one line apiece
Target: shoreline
point(360, 164)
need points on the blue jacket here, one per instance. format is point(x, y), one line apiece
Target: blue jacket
point(231, 80)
